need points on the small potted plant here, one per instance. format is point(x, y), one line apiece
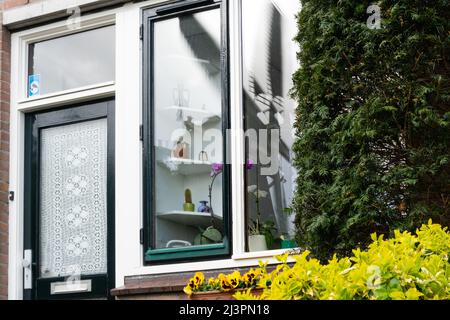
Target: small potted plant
point(260, 233)
point(287, 241)
point(188, 205)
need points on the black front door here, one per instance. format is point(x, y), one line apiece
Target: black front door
point(69, 203)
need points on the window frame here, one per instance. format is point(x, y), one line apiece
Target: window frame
point(202, 252)
point(53, 33)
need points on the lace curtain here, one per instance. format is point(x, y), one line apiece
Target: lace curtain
point(73, 220)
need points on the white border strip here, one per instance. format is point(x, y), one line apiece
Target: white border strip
point(43, 8)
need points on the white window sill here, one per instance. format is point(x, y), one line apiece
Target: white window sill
point(261, 254)
point(243, 260)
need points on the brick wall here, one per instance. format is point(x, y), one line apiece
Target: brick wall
point(4, 153)
point(5, 69)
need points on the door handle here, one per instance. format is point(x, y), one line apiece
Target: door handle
point(27, 264)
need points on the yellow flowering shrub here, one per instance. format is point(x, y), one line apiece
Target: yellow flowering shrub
point(407, 266)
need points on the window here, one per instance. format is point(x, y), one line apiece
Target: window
point(72, 61)
point(186, 178)
point(269, 60)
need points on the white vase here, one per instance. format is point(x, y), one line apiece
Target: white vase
point(257, 243)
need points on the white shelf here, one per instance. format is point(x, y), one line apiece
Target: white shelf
point(186, 166)
point(199, 117)
point(193, 219)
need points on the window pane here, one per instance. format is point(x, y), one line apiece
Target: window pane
point(187, 130)
point(72, 61)
point(269, 60)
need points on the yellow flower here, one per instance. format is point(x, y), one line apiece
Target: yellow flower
point(212, 281)
point(250, 277)
point(225, 283)
point(199, 278)
point(234, 279)
point(187, 290)
point(191, 286)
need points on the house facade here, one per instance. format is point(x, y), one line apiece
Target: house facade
point(142, 141)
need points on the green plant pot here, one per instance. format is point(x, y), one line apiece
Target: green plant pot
point(286, 244)
point(189, 207)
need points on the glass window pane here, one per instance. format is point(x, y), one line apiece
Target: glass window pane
point(269, 60)
point(187, 111)
point(72, 61)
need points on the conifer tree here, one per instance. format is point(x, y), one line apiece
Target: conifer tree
point(373, 120)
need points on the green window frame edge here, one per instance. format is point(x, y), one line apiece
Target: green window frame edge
point(192, 253)
point(216, 249)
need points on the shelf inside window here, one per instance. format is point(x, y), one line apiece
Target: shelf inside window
point(188, 218)
point(186, 166)
point(196, 116)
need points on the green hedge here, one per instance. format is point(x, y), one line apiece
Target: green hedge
point(406, 266)
point(373, 121)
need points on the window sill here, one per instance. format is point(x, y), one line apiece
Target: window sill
point(261, 254)
point(163, 286)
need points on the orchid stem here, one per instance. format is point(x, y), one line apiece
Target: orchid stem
point(210, 197)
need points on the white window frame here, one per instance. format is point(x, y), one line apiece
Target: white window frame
point(127, 90)
point(42, 34)
point(21, 104)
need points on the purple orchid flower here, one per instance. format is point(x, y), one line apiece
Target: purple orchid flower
point(216, 168)
point(249, 164)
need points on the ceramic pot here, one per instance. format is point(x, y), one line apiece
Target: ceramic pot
point(204, 207)
point(257, 243)
point(287, 244)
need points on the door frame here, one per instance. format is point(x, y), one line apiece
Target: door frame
point(51, 118)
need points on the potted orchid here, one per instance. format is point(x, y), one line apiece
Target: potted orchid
point(211, 234)
point(260, 233)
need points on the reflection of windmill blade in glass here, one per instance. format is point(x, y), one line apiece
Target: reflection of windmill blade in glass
point(259, 47)
point(278, 103)
point(279, 118)
point(262, 103)
point(264, 117)
point(202, 44)
point(266, 77)
point(268, 27)
point(268, 61)
point(275, 62)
